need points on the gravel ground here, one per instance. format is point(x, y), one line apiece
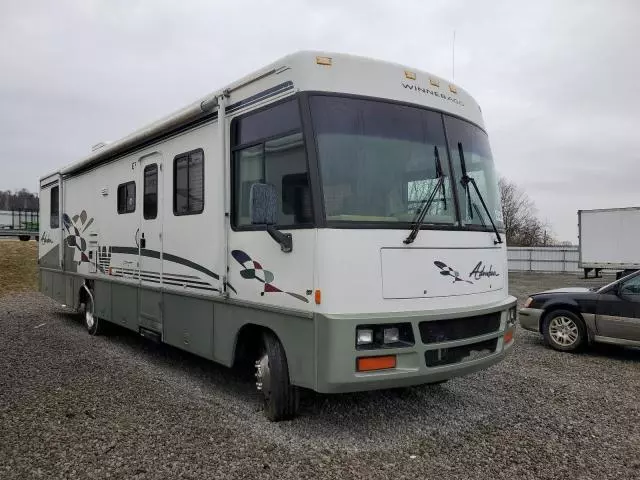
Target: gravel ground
point(75, 406)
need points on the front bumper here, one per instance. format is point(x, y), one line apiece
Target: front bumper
point(530, 319)
point(337, 354)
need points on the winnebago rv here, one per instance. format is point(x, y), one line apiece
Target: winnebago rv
point(331, 219)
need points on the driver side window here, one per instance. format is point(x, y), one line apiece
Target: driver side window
point(631, 289)
point(268, 147)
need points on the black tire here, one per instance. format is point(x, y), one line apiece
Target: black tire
point(281, 399)
point(575, 326)
point(92, 323)
point(24, 238)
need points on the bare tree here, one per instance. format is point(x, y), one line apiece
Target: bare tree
point(522, 225)
point(20, 200)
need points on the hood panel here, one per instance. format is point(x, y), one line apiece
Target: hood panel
point(440, 272)
point(568, 290)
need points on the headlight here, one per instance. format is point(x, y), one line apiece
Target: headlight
point(391, 335)
point(528, 302)
point(364, 336)
point(384, 335)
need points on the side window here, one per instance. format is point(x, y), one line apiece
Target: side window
point(268, 147)
point(631, 289)
point(188, 183)
point(54, 221)
point(150, 193)
point(127, 197)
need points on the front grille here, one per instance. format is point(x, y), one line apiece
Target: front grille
point(448, 356)
point(459, 328)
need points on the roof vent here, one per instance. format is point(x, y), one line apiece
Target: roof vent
point(99, 145)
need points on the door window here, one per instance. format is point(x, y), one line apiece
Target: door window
point(630, 289)
point(54, 221)
point(150, 194)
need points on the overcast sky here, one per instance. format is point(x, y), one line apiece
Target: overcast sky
point(558, 81)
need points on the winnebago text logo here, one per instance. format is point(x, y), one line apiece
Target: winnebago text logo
point(480, 271)
point(426, 91)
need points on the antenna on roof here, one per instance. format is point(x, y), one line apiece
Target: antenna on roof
point(453, 57)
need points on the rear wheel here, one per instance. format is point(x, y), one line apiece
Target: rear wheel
point(24, 238)
point(91, 322)
point(281, 399)
point(564, 331)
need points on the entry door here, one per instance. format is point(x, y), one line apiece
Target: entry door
point(149, 241)
point(619, 313)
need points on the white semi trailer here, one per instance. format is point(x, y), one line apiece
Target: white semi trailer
point(333, 219)
point(609, 240)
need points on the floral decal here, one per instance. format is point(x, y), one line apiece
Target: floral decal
point(75, 227)
point(252, 269)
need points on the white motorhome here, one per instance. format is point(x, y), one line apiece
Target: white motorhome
point(333, 219)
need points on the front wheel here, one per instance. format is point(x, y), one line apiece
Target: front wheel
point(564, 331)
point(281, 399)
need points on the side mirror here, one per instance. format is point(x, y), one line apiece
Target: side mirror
point(263, 201)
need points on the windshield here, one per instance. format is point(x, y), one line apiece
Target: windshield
point(479, 163)
point(379, 162)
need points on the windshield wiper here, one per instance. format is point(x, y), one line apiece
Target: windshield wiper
point(466, 180)
point(440, 174)
point(426, 202)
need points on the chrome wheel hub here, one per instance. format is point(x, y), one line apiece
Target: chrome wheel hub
point(263, 376)
point(563, 331)
point(88, 318)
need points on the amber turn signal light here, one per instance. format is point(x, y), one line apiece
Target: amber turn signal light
point(508, 336)
point(366, 364)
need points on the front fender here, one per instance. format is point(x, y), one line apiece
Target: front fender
point(572, 305)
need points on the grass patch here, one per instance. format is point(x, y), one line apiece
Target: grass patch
point(18, 266)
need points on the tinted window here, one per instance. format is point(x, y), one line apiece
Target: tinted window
point(54, 221)
point(380, 161)
point(631, 289)
point(280, 119)
point(286, 169)
point(150, 194)
point(249, 169)
point(127, 197)
point(188, 183)
point(277, 157)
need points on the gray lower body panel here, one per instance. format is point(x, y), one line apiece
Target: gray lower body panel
point(188, 323)
point(202, 325)
point(337, 353)
point(320, 349)
point(530, 319)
